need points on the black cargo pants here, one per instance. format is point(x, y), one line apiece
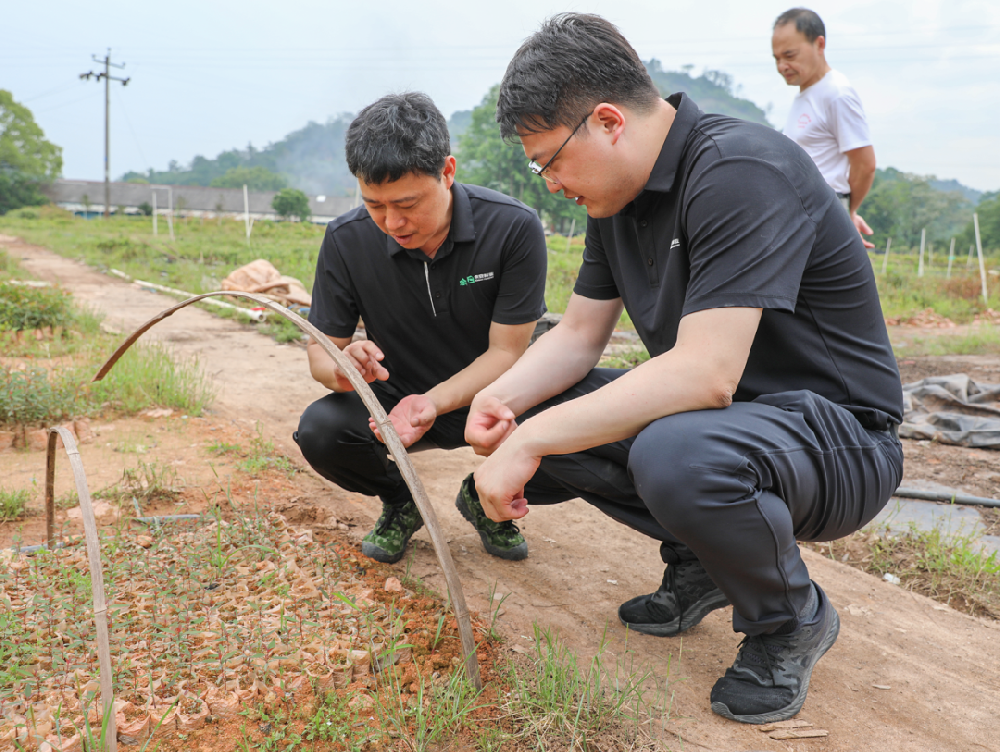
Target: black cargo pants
point(736, 488)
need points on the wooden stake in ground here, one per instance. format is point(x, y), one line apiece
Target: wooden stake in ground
point(96, 574)
point(979, 251)
point(968, 261)
point(920, 264)
point(885, 259)
point(951, 257)
point(392, 441)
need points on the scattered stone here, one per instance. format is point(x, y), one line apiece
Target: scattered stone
point(393, 585)
point(103, 512)
point(157, 412)
point(37, 440)
point(144, 540)
point(799, 734)
point(83, 433)
point(794, 723)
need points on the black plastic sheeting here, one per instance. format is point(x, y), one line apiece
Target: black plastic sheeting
point(952, 410)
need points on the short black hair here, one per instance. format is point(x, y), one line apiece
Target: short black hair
point(572, 63)
point(396, 135)
point(807, 22)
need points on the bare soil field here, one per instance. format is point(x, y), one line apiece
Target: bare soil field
point(907, 674)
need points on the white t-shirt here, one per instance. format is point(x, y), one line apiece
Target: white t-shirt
point(827, 120)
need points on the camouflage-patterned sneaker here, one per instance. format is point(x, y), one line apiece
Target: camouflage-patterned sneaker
point(387, 542)
point(501, 539)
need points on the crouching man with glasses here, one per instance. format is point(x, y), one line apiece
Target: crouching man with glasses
point(767, 411)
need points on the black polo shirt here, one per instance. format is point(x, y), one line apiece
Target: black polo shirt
point(735, 214)
point(431, 317)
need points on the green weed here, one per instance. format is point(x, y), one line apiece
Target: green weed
point(35, 395)
point(281, 329)
point(560, 700)
point(219, 448)
point(26, 308)
point(148, 375)
point(950, 568)
point(263, 456)
point(336, 721)
point(13, 503)
point(984, 341)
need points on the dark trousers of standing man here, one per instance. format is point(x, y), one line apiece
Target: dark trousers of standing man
point(736, 488)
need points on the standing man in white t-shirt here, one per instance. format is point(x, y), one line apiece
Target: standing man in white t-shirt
point(826, 118)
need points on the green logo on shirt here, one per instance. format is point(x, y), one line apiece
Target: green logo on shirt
point(473, 278)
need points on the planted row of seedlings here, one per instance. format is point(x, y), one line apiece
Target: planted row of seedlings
point(205, 621)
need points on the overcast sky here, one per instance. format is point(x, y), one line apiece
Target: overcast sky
point(212, 75)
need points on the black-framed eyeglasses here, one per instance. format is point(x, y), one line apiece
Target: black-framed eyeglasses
point(539, 170)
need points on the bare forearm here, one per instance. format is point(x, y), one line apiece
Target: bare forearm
point(553, 364)
point(861, 175)
point(459, 390)
point(860, 185)
point(322, 367)
point(663, 386)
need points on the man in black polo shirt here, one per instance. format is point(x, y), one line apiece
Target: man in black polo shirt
point(767, 410)
point(449, 280)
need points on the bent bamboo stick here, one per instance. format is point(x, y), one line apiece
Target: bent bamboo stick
point(392, 441)
point(96, 573)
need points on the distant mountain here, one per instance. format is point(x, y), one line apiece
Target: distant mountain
point(949, 186)
point(712, 91)
point(457, 124)
point(312, 158)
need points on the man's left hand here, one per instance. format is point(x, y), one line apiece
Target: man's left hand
point(862, 228)
point(412, 418)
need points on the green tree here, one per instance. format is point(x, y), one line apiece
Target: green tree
point(900, 205)
point(27, 160)
point(254, 178)
point(485, 159)
point(291, 202)
point(989, 226)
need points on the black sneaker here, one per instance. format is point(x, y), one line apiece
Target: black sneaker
point(686, 596)
point(770, 678)
point(501, 539)
point(387, 542)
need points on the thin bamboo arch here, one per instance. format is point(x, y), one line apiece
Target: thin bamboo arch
point(395, 446)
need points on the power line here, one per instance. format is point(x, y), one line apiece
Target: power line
point(108, 78)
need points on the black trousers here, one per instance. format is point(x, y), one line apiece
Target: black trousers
point(336, 441)
point(736, 488)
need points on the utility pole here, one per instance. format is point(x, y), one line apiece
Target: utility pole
point(108, 78)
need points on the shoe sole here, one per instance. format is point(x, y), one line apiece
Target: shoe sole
point(691, 616)
point(796, 704)
point(517, 553)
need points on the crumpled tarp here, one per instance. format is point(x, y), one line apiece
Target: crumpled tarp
point(952, 410)
point(260, 276)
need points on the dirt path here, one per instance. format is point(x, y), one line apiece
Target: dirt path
point(937, 671)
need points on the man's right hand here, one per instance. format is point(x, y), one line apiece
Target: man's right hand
point(489, 424)
point(365, 356)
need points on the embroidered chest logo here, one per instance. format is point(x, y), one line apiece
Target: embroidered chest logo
point(473, 278)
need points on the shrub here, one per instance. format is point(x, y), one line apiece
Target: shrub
point(291, 202)
point(35, 396)
point(23, 307)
